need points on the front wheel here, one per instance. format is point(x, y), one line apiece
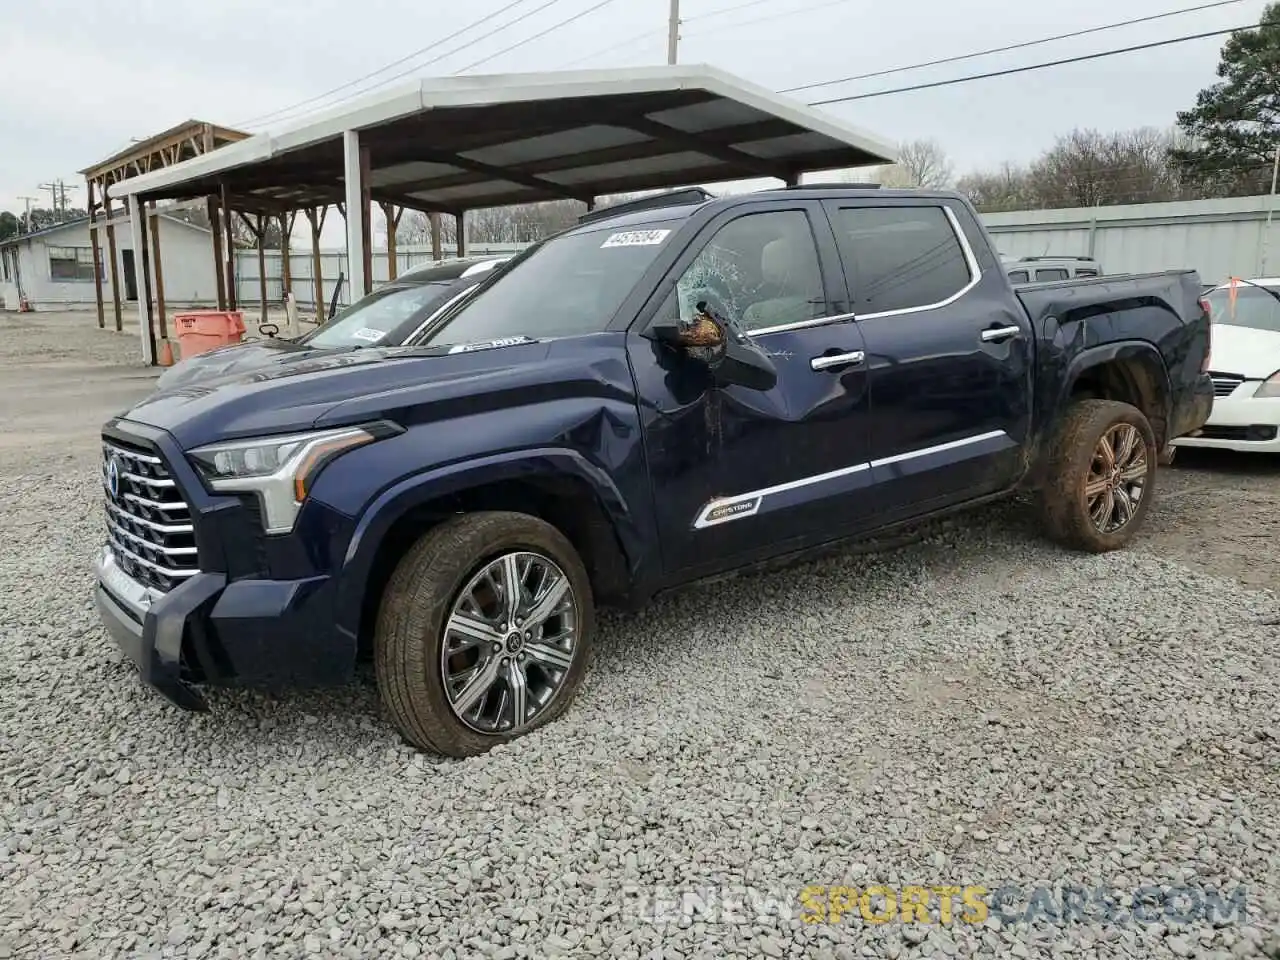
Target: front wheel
point(484, 632)
point(1102, 471)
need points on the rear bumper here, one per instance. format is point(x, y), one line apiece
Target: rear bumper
point(245, 633)
point(1194, 408)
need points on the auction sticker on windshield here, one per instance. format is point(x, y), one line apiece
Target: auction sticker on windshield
point(367, 333)
point(635, 238)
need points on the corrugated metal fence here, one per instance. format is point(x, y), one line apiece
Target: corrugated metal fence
point(333, 263)
point(1219, 238)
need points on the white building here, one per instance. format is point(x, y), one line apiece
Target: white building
point(53, 268)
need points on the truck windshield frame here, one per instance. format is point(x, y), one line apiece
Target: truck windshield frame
point(569, 285)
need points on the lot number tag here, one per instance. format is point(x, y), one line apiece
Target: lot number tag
point(636, 238)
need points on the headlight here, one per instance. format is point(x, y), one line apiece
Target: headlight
point(280, 470)
point(1269, 387)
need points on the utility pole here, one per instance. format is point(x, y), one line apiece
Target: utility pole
point(26, 217)
point(673, 32)
point(58, 194)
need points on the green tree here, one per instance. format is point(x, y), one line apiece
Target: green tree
point(8, 225)
point(1234, 128)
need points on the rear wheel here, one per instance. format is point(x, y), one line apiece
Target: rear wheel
point(484, 632)
point(1102, 472)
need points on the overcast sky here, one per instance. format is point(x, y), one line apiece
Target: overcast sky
point(84, 77)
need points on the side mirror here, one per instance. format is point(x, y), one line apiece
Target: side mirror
point(728, 354)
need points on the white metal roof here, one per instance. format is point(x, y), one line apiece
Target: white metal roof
point(461, 142)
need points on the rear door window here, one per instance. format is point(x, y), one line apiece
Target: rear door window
point(900, 258)
point(1019, 276)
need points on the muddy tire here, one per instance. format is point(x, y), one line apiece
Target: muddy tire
point(1101, 476)
point(464, 659)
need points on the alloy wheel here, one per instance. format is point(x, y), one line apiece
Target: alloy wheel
point(509, 643)
point(1117, 477)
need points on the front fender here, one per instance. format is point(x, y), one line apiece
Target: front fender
point(420, 489)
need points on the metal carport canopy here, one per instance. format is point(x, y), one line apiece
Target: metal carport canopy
point(459, 143)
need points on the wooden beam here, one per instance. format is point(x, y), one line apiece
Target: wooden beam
point(97, 257)
point(436, 252)
point(461, 221)
point(392, 220)
point(115, 261)
point(215, 224)
point(317, 224)
point(262, 266)
point(366, 227)
point(286, 267)
point(158, 268)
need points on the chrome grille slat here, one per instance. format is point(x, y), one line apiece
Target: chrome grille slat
point(156, 504)
point(149, 525)
point(157, 527)
point(147, 544)
point(163, 571)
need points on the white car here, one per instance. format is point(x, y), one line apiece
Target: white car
point(1244, 363)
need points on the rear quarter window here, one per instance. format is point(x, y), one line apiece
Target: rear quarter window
point(901, 258)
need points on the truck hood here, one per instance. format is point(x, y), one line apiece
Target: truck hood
point(331, 389)
point(233, 359)
point(1246, 351)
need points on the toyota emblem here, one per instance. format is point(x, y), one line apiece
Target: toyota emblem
point(113, 478)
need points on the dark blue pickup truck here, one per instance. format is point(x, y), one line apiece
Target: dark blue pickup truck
point(654, 396)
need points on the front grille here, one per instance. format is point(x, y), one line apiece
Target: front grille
point(148, 523)
point(1224, 384)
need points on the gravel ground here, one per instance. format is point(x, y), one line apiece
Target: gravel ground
point(977, 708)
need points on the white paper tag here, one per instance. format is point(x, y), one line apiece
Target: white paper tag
point(365, 333)
point(635, 238)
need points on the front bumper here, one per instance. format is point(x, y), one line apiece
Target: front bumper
point(1242, 423)
point(259, 633)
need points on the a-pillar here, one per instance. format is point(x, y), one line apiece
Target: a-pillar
point(355, 173)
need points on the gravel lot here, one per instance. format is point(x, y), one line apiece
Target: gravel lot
point(977, 708)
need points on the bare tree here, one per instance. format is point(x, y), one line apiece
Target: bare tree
point(921, 164)
point(1086, 168)
point(1008, 188)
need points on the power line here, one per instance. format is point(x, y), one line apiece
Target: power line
point(779, 15)
point(720, 11)
point(410, 56)
point(555, 26)
point(617, 46)
point(1013, 46)
point(1035, 66)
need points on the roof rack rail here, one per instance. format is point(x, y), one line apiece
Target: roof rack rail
point(682, 197)
point(834, 186)
point(1064, 257)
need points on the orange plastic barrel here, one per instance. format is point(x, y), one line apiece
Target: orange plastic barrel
point(202, 330)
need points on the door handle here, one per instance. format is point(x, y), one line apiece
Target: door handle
point(827, 361)
point(996, 334)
